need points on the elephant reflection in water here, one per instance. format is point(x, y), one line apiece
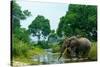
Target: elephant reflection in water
point(76, 47)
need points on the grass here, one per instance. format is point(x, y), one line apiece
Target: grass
point(23, 52)
point(30, 53)
point(93, 51)
point(27, 58)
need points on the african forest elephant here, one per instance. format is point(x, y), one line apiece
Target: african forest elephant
point(76, 47)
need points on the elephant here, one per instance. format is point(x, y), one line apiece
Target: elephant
point(76, 47)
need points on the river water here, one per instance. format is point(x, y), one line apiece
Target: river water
point(52, 58)
point(49, 58)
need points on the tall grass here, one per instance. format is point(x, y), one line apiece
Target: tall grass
point(93, 51)
point(23, 51)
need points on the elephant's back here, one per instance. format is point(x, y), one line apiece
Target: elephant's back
point(85, 42)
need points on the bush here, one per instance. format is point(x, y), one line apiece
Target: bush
point(55, 48)
point(43, 44)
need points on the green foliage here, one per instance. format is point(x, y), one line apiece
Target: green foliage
point(38, 50)
point(79, 20)
point(43, 44)
point(23, 51)
point(20, 48)
point(55, 48)
point(40, 27)
point(17, 15)
point(22, 34)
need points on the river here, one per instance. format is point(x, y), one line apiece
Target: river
point(52, 58)
point(49, 58)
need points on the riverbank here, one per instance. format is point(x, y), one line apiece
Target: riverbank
point(19, 64)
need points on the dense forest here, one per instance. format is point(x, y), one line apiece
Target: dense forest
point(79, 20)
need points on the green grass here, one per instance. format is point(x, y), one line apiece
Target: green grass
point(23, 51)
point(26, 57)
point(93, 51)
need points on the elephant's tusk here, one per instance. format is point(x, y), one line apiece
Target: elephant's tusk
point(64, 51)
point(62, 54)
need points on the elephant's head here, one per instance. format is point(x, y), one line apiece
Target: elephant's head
point(72, 45)
point(69, 44)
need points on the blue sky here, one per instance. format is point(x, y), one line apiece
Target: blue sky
point(51, 11)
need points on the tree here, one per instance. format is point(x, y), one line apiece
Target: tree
point(52, 38)
point(17, 15)
point(79, 20)
point(20, 36)
point(39, 27)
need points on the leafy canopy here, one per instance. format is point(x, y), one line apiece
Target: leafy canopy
point(79, 20)
point(39, 27)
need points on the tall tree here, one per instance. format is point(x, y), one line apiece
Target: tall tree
point(79, 20)
point(17, 15)
point(39, 27)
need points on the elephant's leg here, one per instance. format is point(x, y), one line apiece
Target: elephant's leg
point(77, 53)
point(69, 54)
point(85, 54)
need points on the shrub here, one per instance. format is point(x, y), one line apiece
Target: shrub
point(55, 48)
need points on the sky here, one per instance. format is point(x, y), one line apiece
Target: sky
point(51, 11)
